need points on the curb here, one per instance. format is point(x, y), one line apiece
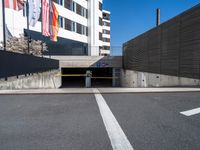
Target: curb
point(101, 91)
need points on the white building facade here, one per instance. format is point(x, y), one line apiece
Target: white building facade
point(106, 33)
point(81, 28)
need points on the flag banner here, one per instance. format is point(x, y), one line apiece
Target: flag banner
point(14, 4)
point(54, 26)
point(45, 18)
point(34, 11)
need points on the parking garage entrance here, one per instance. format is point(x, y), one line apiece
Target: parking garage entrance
point(75, 77)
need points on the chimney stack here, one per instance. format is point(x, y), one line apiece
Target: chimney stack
point(158, 17)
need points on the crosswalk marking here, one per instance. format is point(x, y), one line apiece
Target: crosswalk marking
point(117, 137)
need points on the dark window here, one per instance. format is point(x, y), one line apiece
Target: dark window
point(60, 19)
point(100, 6)
point(79, 28)
point(106, 24)
point(106, 39)
point(100, 21)
point(78, 9)
point(56, 1)
point(67, 4)
point(68, 24)
point(60, 2)
point(87, 31)
point(86, 13)
point(106, 47)
point(106, 16)
point(73, 7)
point(106, 31)
point(100, 36)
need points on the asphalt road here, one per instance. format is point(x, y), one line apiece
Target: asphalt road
point(74, 122)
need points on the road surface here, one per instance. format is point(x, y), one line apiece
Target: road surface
point(145, 121)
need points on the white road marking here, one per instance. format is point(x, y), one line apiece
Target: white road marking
point(191, 112)
point(117, 137)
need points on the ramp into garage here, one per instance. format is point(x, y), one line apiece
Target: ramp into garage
point(105, 70)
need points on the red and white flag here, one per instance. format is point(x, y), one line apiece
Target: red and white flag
point(14, 4)
point(45, 18)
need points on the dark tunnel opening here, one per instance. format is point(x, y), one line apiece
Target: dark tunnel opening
point(75, 77)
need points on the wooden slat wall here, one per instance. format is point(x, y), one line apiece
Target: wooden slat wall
point(173, 48)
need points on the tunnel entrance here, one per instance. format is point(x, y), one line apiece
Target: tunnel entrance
point(75, 77)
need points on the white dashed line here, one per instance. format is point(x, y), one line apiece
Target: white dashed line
point(117, 137)
point(191, 112)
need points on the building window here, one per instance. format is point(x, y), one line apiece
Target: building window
point(106, 24)
point(60, 19)
point(84, 12)
point(106, 32)
point(106, 40)
point(78, 9)
point(100, 6)
point(68, 24)
point(106, 47)
point(84, 30)
point(79, 28)
point(106, 16)
point(73, 26)
point(100, 21)
point(100, 36)
point(73, 7)
point(60, 2)
point(68, 4)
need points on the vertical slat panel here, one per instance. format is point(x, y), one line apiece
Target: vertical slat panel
point(173, 48)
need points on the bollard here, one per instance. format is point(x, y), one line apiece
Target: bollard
point(88, 79)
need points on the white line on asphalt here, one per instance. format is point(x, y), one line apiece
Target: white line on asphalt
point(117, 137)
point(191, 112)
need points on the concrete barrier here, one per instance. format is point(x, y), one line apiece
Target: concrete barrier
point(45, 80)
point(136, 79)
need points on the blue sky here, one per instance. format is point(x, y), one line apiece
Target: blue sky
point(130, 18)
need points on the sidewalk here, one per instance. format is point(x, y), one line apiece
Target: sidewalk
point(102, 90)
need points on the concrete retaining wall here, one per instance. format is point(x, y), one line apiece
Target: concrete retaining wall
point(135, 79)
point(45, 80)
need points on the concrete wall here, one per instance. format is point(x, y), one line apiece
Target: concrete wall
point(116, 74)
point(45, 80)
point(89, 61)
point(135, 79)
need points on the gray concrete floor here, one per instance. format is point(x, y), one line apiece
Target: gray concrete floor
point(151, 121)
point(61, 122)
